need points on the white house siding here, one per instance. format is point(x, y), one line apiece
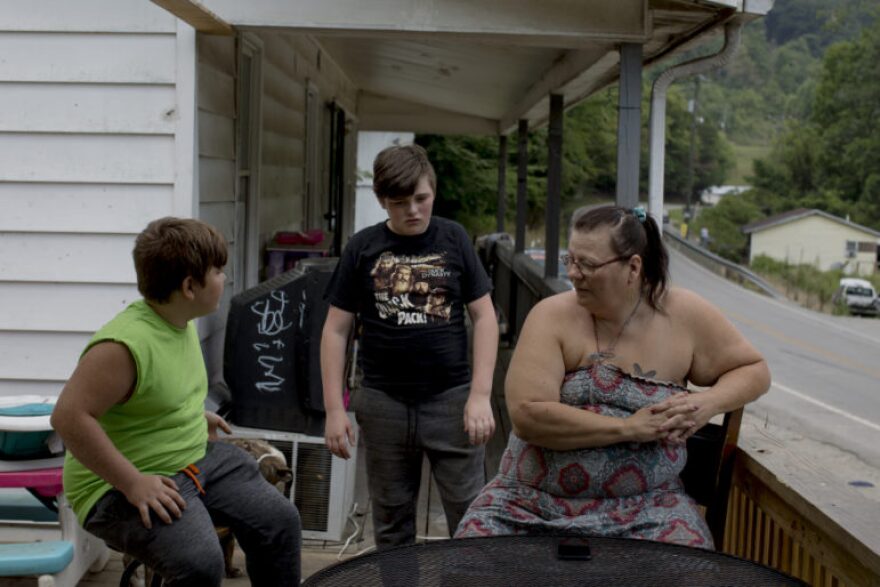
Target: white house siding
point(95, 126)
point(217, 173)
point(289, 64)
point(813, 240)
point(282, 178)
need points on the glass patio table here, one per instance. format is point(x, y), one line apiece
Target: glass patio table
point(510, 561)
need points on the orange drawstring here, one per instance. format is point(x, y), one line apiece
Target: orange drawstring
point(191, 471)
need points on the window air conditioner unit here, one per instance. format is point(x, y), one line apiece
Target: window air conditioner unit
point(323, 485)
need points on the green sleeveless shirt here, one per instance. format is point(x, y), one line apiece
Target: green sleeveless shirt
point(161, 428)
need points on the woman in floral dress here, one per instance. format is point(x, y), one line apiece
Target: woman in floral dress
point(597, 396)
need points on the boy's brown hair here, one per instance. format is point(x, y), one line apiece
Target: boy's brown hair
point(171, 249)
point(398, 169)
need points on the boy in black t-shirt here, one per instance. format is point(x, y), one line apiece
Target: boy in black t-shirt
point(409, 280)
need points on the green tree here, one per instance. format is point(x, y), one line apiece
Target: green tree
point(830, 160)
point(793, 19)
point(467, 167)
point(467, 178)
point(845, 112)
point(725, 222)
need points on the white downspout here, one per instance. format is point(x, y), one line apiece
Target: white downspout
point(657, 125)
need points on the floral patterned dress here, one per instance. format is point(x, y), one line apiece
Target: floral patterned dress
point(628, 490)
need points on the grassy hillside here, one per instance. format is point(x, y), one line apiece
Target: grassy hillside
point(743, 156)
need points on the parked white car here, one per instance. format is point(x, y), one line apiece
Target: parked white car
point(858, 295)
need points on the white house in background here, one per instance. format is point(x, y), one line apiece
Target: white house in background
point(713, 194)
point(814, 237)
point(246, 114)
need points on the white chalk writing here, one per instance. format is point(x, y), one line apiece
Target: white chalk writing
point(271, 317)
point(272, 382)
point(273, 322)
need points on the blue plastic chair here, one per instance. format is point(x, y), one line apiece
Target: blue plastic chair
point(26, 462)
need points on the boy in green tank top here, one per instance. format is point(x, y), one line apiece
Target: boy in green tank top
point(142, 471)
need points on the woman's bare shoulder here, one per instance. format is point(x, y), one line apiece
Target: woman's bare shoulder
point(679, 301)
point(689, 309)
point(555, 304)
point(551, 315)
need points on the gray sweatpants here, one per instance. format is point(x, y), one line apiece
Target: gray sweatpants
point(187, 552)
point(396, 435)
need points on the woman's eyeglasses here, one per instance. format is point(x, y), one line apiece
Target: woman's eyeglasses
point(587, 268)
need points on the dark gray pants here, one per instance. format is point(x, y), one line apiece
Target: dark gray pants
point(396, 435)
point(187, 552)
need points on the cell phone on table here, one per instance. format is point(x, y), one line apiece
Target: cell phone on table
point(577, 549)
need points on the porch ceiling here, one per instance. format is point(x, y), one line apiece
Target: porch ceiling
point(478, 66)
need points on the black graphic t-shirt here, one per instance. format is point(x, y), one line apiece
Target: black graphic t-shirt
point(410, 293)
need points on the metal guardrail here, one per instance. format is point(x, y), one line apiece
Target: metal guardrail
point(519, 281)
point(720, 265)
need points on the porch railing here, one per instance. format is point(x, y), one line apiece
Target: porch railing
point(783, 512)
point(786, 513)
point(518, 282)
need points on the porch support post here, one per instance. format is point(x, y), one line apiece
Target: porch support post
point(629, 125)
point(501, 211)
point(521, 185)
point(554, 187)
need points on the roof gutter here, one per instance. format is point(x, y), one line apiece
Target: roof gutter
point(657, 124)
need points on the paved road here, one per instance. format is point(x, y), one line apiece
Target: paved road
point(826, 369)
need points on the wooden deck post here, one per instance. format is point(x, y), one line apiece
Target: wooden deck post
point(521, 184)
point(629, 123)
point(554, 187)
point(501, 211)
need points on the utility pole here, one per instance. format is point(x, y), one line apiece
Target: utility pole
point(693, 150)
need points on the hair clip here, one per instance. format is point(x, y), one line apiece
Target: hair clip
point(639, 212)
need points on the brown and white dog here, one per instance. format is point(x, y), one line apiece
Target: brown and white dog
point(273, 465)
point(273, 468)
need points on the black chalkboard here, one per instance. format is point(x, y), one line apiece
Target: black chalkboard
point(271, 360)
